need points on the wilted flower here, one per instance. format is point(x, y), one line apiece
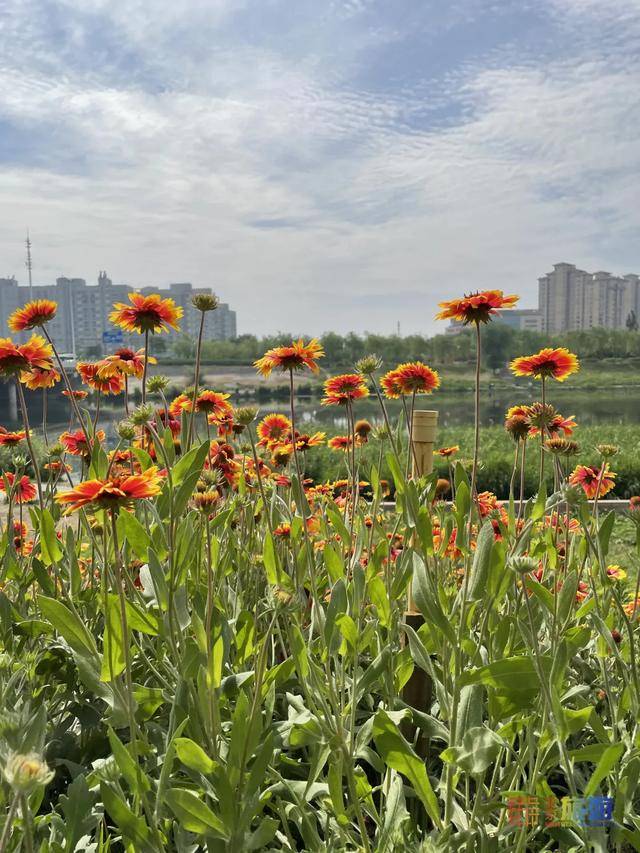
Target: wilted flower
point(362, 429)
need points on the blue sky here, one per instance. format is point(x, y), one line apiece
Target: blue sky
point(337, 164)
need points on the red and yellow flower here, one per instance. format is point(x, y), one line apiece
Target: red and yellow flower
point(214, 404)
point(339, 390)
point(75, 442)
point(416, 378)
point(447, 452)
point(23, 489)
point(89, 373)
point(181, 403)
point(40, 378)
point(17, 358)
point(10, 439)
point(390, 385)
point(596, 483)
point(146, 314)
point(340, 442)
point(272, 429)
point(76, 394)
point(557, 362)
point(113, 492)
point(476, 307)
point(125, 362)
point(33, 314)
point(295, 357)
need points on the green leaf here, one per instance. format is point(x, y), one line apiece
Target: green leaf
point(481, 561)
point(479, 749)
point(194, 815)
point(193, 756)
point(607, 762)
point(398, 754)
point(131, 530)
point(136, 779)
point(270, 561)
point(50, 550)
point(68, 625)
point(514, 673)
point(427, 602)
point(76, 806)
point(113, 661)
point(134, 829)
point(333, 563)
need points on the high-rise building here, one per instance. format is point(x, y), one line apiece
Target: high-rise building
point(83, 310)
point(570, 298)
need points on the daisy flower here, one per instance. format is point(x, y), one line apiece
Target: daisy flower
point(558, 363)
point(33, 314)
point(476, 307)
point(339, 390)
point(296, 356)
point(113, 492)
point(146, 314)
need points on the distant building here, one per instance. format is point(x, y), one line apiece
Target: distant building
point(570, 298)
point(83, 310)
point(517, 318)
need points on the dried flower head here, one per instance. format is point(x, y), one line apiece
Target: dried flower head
point(559, 446)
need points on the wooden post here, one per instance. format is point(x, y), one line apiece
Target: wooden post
point(417, 691)
point(423, 438)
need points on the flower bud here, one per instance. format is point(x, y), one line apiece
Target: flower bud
point(142, 415)
point(27, 772)
point(155, 384)
point(368, 364)
point(126, 430)
point(245, 415)
point(204, 301)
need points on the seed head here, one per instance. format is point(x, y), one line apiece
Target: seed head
point(245, 415)
point(368, 364)
point(155, 384)
point(126, 430)
point(142, 415)
point(607, 450)
point(55, 451)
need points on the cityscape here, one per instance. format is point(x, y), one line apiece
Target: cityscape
point(81, 325)
point(571, 299)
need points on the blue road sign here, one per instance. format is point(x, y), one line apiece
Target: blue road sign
point(114, 337)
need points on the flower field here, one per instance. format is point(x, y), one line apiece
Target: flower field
point(205, 645)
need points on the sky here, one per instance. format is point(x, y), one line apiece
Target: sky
point(322, 164)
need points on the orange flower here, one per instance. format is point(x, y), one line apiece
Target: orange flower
point(487, 502)
point(517, 411)
point(124, 361)
point(558, 363)
point(33, 314)
point(281, 454)
point(341, 389)
point(390, 385)
point(181, 403)
point(40, 378)
point(146, 314)
point(90, 376)
point(416, 378)
point(15, 358)
point(114, 492)
point(272, 429)
point(296, 356)
point(214, 404)
point(283, 531)
point(446, 452)
point(77, 395)
point(75, 443)
point(557, 424)
point(10, 439)
point(476, 307)
point(588, 478)
point(340, 442)
point(306, 441)
point(23, 490)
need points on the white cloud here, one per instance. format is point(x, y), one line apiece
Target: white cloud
point(308, 202)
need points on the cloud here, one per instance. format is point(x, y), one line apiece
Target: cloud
point(256, 148)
